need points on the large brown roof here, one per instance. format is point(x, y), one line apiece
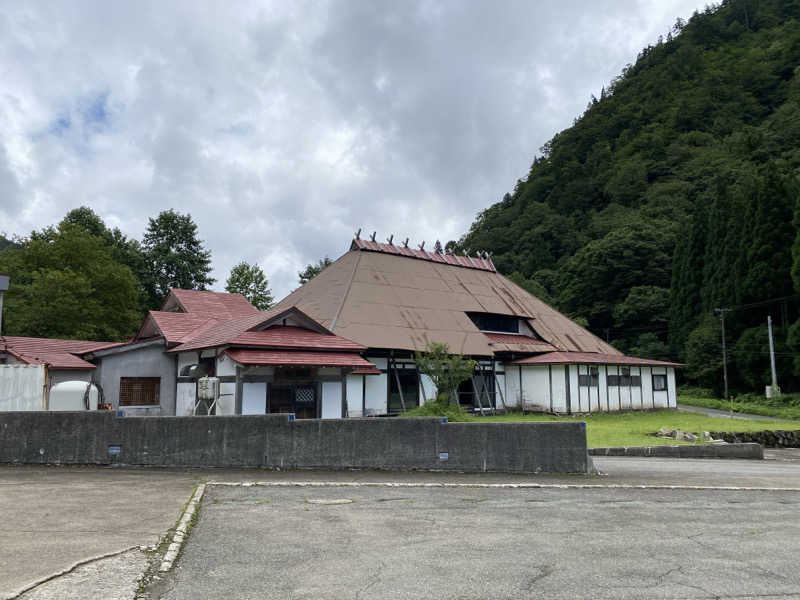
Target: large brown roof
point(386, 300)
point(561, 358)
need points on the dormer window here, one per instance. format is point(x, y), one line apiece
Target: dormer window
point(496, 323)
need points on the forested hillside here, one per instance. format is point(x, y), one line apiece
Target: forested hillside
point(672, 195)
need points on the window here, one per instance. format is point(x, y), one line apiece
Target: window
point(490, 322)
point(409, 384)
point(626, 379)
point(659, 383)
point(592, 379)
point(139, 391)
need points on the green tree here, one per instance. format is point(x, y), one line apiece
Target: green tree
point(250, 281)
point(312, 270)
point(174, 256)
point(126, 251)
point(446, 370)
point(704, 354)
point(66, 284)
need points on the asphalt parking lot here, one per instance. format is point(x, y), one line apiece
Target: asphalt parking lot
point(55, 518)
point(459, 543)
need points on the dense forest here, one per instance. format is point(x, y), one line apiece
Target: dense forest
point(675, 193)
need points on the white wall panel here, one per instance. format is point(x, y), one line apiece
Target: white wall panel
point(376, 394)
point(254, 398)
point(184, 403)
point(355, 393)
point(332, 399)
point(559, 389)
point(512, 385)
point(21, 387)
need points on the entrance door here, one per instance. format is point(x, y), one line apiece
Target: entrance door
point(298, 399)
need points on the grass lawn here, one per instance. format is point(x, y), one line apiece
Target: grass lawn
point(633, 428)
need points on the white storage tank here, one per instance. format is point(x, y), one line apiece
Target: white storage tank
point(69, 395)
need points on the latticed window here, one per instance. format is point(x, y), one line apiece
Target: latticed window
point(304, 394)
point(139, 391)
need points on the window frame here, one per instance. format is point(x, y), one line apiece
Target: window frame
point(155, 382)
point(665, 379)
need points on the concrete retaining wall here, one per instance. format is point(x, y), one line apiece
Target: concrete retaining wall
point(755, 451)
point(776, 438)
point(274, 441)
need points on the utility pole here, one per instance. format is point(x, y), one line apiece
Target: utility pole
point(775, 389)
point(721, 312)
point(3, 288)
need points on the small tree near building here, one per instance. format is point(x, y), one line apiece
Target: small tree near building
point(446, 370)
point(250, 281)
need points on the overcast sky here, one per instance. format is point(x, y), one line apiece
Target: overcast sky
point(284, 127)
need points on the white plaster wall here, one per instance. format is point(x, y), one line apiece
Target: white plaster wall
point(636, 391)
point(512, 385)
point(427, 389)
point(355, 393)
point(184, 403)
point(226, 405)
point(254, 398)
point(226, 366)
point(602, 390)
point(21, 387)
point(573, 386)
point(500, 386)
point(559, 389)
point(380, 363)
point(187, 358)
point(376, 394)
point(671, 389)
point(647, 387)
point(331, 399)
point(536, 387)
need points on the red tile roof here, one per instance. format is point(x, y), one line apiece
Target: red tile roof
point(224, 332)
point(591, 358)
point(471, 262)
point(219, 305)
point(180, 327)
point(295, 337)
point(514, 342)
point(56, 353)
point(298, 358)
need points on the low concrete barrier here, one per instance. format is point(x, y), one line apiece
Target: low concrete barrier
point(275, 441)
point(685, 451)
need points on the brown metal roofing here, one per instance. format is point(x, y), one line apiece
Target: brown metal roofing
point(471, 262)
point(220, 305)
point(591, 358)
point(513, 342)
point(298, 358)
point(56, 353)
point(384, 300)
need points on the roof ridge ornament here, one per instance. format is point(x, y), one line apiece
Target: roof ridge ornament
point(372, 237)
point(358, 234)
point(422, 246)
point(389, 239)
point(405, 243)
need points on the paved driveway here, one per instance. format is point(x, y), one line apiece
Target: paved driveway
point(54, 517)
point(468, 543)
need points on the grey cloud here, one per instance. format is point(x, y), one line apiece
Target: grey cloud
point(284, 127)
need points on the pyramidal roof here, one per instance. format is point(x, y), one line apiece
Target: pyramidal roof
point(390, 297)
